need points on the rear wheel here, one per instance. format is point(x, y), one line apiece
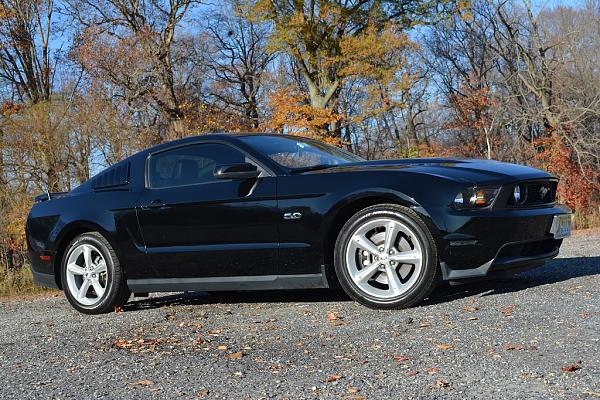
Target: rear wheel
point(385, 257)
point(92, 277)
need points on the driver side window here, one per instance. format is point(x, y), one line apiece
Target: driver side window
point(190, 165)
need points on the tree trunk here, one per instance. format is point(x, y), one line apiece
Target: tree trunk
point(411, 129)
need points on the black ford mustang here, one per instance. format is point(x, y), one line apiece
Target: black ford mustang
point(251, 212)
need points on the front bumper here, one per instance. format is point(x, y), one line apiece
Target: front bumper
point(478, 243)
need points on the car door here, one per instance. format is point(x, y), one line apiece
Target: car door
point(197, 225)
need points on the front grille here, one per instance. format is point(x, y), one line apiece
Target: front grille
point(532, 193)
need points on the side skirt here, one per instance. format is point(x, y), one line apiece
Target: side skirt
point(233, 283)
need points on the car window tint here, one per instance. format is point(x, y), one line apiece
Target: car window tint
point(190, 165)
point(294, 152)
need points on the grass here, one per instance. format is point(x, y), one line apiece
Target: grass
point(18, 281)
point(586, 220)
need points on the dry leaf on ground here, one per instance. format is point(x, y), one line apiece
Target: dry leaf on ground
point(234, 356)
point(571, 367)
point(333, 378)
point(331, 316)
point(143, 382)
point(441, 383)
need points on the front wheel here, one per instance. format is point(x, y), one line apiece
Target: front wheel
point(385, 257)
point(91, 275)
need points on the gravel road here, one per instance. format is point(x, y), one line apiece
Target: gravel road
point(503, 339)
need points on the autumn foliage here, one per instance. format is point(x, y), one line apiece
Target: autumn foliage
point(579, 185)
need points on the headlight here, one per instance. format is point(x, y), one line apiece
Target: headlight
point(519, 195)
point(475, 197)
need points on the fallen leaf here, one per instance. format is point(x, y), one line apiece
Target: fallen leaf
point(222, 347)
point(234, 356)
point(508, 310)
point(518, 347)
point(143, 382)
point(353, 390)
point(331, 316)
point(121, 343)
point(400, 358)
point(333, 378)
point(118, 310)
point(441, 383)
point(571, 367)
point(471, 309)
point(508, 347)
point(432, 371)
point(591, 393)
point(202, 394)
point(412, 373)
point(444, 346)
point(473, 318)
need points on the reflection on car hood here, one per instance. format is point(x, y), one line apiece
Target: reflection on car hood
point(462, 170)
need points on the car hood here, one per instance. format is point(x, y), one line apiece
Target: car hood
point(474, 171)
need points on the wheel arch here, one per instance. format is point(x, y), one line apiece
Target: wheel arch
point(352, 204)
point(67, 234)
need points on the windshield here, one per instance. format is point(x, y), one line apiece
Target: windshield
point(299, 153)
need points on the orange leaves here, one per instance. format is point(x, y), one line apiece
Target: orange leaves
point(292, 110)
point(441, 383)
point(571, 367)
point(234, 356)
point(472, 107)
point(8, 108)
point(578, 183)
point(15, 207)
point(332, 316)
point(144, 345)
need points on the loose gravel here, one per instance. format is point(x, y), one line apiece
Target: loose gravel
point(533, 336)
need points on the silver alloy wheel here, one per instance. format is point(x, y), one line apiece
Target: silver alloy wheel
point(87, 274)
point(384, 258)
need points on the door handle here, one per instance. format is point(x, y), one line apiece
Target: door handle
point(153, 204)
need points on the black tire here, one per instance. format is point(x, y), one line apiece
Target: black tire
point(423, 285)
point(117, 293)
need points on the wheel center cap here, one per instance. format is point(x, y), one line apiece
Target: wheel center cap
point(383, 257)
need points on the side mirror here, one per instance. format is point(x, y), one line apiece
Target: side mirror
point(236, 171)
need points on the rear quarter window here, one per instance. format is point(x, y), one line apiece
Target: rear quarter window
point(115, 176)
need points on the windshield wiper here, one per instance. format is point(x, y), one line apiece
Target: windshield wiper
point(311, 168)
